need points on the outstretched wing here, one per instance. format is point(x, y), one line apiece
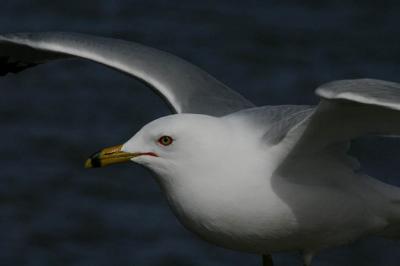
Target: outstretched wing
point(185, 87)
point(349, 109)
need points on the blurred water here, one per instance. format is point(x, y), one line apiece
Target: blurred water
point(54, 212)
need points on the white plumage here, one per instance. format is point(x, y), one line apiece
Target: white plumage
point(254, 179)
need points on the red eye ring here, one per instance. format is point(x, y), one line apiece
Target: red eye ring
point(165, 140)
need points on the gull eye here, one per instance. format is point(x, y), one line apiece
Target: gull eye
point(165, 140)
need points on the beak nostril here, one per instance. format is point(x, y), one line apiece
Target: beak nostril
point(112, 150)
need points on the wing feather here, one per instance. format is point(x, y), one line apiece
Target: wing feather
point(185, 87)
point(349, 109)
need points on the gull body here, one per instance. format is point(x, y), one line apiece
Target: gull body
point(253, 179)
point(223, 183)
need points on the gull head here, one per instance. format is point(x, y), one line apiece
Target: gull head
point(173, 145)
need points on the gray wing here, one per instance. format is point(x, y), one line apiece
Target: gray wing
point(185, 87)
point(272, 123)
point(349, 109)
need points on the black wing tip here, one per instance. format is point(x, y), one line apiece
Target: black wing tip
point(7, 65)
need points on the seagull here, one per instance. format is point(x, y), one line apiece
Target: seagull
point(248, 178)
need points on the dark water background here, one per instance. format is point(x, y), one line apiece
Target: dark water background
point(54, 212)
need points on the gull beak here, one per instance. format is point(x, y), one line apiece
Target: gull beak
point(109, 156)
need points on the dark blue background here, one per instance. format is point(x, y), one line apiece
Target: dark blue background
point(54, 212)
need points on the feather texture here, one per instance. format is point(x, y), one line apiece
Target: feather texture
point(185, 87)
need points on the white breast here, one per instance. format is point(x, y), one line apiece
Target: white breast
point(232, 208)
point(250, 211)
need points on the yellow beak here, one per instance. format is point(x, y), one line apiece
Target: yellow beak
point(109, 156)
